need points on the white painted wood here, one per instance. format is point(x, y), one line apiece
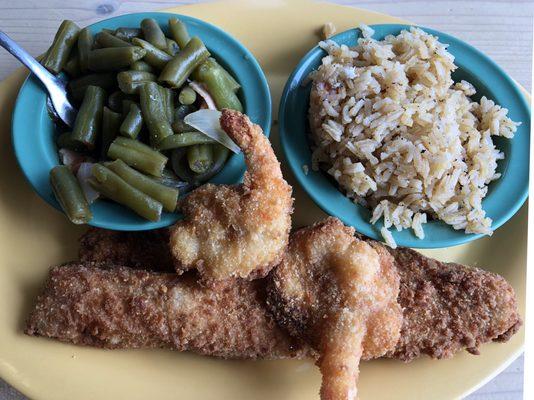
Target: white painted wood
point(501, 29)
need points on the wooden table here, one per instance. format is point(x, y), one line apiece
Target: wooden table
point(501, 29)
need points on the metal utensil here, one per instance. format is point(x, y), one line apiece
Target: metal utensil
point(56, 87)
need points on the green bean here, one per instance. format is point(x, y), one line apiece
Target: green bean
point(131, 126)
point(114, 58)
point(183, 140)
point(72, 67)
point(42, 56)
point(167, 196)
point(154, 56)
point(218, 85)
point(115, 100)
point(180, 165)
point(172, 47)
point(105, 39)
point(77, 87)
point(89, 118)
point(179, 32)
point(153, 112)
point(182, 110)
point(199, 73)
point(137, 155)
point(126, 103)
point(59, 52)
point(131, 81)
point(111, 122)
point(180, 67)
point(168, 102)
point(187, 96)
point(69, 195)
point(85, 45)
point(153, 33)
point(199, 158)
point(230, 81)
point(178, 125)
point(65, 141)
point(112, 186)
point(128, 33)
point(142, 66)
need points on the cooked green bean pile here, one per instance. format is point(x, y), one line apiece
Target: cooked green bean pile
point(133, 87)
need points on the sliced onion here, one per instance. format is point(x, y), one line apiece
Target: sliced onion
point(207, 122)
point(71, 159)
point(83, 175)
point(199, 88)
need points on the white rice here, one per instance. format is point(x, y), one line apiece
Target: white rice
point(400, 137)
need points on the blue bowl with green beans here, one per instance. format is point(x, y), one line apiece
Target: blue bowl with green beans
point(124, 156)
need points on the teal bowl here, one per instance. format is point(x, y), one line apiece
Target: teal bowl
point(505, 196)
point(33, 131)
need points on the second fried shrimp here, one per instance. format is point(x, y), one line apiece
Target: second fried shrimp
point(339, 295)
point(240, 230)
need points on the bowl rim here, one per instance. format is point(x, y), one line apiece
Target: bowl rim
point(366, 228)
point(262, 117)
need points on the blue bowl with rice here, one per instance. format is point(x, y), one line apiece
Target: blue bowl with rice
point(330, 178)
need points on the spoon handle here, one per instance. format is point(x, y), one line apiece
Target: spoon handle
point(24, 57)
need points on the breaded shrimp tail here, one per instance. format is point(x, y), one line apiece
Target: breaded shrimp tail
point(117, 307)
point(335, 292)
point(237, 231)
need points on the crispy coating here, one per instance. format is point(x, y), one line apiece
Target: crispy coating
point(91, 304)
point(240, 230)
point(448, 307)
point(144, 249)
point(333, 290)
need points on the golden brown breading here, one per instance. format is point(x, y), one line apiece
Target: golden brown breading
point(429, 293)
point(241, 230)
point(333, 290)
point(144, 249)
point(90, 304)
point(449, 307)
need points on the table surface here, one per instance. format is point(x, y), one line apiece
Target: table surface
point(501, 29)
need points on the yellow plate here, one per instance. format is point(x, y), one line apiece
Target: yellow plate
point(33, 237)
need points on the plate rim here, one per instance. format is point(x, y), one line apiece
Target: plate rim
point(10, 378)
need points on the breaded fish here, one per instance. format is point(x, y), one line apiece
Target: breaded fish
point(449, 307)
point(429, 294)
point(144, 249)
point(237, 231)
point(95, 305)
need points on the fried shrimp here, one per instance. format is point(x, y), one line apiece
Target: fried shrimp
point(337, 292)
point(240, 230)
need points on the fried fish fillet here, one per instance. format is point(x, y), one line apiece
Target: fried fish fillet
point(446, 307)
point(237, 231)
point(95, 305)
point(338, 294)
point(144, 249)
